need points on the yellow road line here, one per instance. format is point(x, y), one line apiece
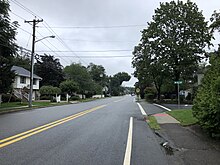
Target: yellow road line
point(37, 130)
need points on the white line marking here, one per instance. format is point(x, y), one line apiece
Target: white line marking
point(162, 107)
point(127, 158)
point(142, 109)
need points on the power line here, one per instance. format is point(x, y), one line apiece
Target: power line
point(129, 56)
point(95, 27)
point(62, 42)
point(49, 29)
point(67, 51)
point(50, 48)
point(25, 8)
point(78, 40)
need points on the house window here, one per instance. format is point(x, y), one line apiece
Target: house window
point(35, 81)
point(23, 80)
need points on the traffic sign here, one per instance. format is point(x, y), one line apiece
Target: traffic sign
point(138, 90)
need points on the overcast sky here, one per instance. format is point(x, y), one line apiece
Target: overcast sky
point(88, 28)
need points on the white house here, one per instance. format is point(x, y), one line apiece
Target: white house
point(22, 82)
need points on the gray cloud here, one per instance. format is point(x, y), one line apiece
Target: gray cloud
point(93, 13)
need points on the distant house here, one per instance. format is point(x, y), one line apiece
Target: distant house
point(21, 83)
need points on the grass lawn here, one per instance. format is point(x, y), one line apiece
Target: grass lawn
point(153, 123)
point(19, 105)
point(184, 116)
point(12, 104)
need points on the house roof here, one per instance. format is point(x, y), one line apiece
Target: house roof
point(23, 72)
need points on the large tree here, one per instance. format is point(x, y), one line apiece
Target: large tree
point(22, 61)
point(177, 36)
point(97, 73)
point(80, 75)
point(116, 82)
point(7, 48)
point(50, 69)
point(149, 69)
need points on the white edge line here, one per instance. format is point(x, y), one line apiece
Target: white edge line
point(162, 107)
point(127, 158)
point(142, 109)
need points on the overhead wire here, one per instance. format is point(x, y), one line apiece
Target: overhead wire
point(47, 27)
point(67, 51)
point(94, 27)
point(41, 41)
point(52, 46)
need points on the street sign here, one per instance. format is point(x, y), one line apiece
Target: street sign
point(178, 82)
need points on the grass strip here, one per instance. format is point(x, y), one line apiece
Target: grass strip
point(184, 116)
point(152, 122)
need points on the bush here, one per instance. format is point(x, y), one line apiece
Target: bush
point(206, 106)
point(9, 97)
point(150, 93)
point(45, 97)
point(149, 97)
point(74, 98)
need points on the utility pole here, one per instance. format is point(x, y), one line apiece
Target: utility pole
point(32, 60)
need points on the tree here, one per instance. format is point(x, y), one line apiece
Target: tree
point(178, 35)
point(116, 82)
point(206, 107)
point(69, 86)
point(49, 91)
point(215, 19)
point(7, 48)
point(50, 69)
point(22, 61)
point(97, 73)
point(149, 69)
point(80, 75)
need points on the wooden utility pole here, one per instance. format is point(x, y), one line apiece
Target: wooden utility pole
point(32, 60)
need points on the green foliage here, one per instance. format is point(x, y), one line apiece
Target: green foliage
point(7, 47)
point(9, 98)
point(49, 90)
point(150, 93)
point(74, 98)
point(97, 73)
point(206, 106)
point(215, 19)
point(172, 44)
point(69, 86)
point(50, 69)
point(21, 61)
point(116, 82)
point(80, 75)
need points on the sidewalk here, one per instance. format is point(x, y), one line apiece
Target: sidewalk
point(183, 145)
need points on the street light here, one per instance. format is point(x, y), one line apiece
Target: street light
point(45, 38)
point(32, 67)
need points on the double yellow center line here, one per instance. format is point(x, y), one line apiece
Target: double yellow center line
point(26, 134)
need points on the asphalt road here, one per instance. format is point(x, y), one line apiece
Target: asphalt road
point(92, 133)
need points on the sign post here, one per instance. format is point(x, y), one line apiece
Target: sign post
point(178, 86)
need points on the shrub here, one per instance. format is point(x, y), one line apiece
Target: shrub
point(74, 98)
point(206, 106)
point(45, 97)
point(9, 98)
point(149, 96)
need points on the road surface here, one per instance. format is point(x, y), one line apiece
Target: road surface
point(104, 132)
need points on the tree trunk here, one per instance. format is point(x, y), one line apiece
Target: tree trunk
point(158, 94)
